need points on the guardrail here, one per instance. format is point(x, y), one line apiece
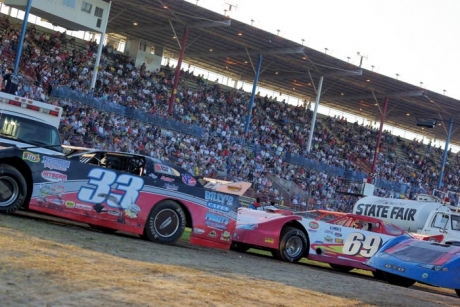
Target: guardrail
point(132, 113)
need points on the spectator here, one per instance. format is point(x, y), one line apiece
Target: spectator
point(9, 82)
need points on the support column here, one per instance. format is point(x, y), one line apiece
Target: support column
point(313, 120)
point(21, 39)
point(99, 49)
point(379, 137)
point(444, 157)
point(253, 94)
point(177, 74)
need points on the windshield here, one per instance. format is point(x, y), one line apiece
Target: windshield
point(29, 131)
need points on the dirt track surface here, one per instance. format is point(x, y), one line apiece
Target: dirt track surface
point(50, 264)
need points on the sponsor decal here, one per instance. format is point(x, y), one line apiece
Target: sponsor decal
point(311, 230)
point(70, 204)
point(425, 275)
point(170, 186)
point(269, 240)
point(212, 234)
point(153, 176)
point(394, 267)
point(168, 179)
point(83, 207)
point(26, 155)
point(328, 238)
point(385, 211)
point(163, 169)
point(247, 226)
point(234, 188)
point(55, 163)
point(51, 190)
point(218, 207)
point(313, 225)
point(319, 242)
point(339, 241)
point(328, 231)
point(53, 176)
point(56, 201)
point(219, 198)
point(335, 228)
point(338, 234)
point(113, 212)
point(188, 180)
point(132, 211)
point(198, 231)
point(216, 221)
point(225, 236)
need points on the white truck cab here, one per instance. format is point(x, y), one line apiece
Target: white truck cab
point(26, 123)
point(427, 215)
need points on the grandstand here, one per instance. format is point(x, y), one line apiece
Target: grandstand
point(273, 156)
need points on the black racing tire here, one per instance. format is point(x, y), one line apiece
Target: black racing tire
point(457, 291)
point(165, 223)
point(378, 275)
point(293, 245)
point(239, 247)
point(13, 189)
point(102, 228)
point(341, 268)
point(398, 280)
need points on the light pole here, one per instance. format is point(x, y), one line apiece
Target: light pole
point(430, 123)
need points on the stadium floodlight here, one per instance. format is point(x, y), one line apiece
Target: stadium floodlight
point(426, 122)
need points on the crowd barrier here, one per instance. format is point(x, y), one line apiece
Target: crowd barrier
point(131, 113)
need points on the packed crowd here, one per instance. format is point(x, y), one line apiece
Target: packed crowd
point(223, 151)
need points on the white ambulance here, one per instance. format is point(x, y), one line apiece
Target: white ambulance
point(30, 124)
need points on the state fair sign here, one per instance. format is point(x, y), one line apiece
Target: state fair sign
point(54, 176)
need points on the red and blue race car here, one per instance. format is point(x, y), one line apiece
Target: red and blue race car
point(345, 241)
point(120, 191)
point(404, 260)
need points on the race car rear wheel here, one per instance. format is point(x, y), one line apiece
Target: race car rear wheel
point(165, 223)
point(13, 189)
point(293, 245)
point(398, 280)
point(341, 268)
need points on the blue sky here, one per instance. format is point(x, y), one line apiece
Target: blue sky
point(417, 39)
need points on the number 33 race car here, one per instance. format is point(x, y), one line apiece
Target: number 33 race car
point(114, 191)
point(345, 242)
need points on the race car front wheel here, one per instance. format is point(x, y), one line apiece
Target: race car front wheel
point(165, 223)
point(13, 189)
point(293, 244)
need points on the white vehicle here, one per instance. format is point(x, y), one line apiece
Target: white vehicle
point(31, 124)
point(426, 215)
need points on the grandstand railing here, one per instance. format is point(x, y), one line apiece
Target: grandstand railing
point(131, 113)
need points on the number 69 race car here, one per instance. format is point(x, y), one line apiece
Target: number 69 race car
point(119, 191)
point(345, 242)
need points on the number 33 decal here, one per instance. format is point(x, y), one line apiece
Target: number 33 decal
point(358, 243)
point(100, 188)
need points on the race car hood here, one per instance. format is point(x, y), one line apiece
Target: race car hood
point(423, 252)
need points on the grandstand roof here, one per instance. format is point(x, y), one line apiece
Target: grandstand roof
point(287, 67)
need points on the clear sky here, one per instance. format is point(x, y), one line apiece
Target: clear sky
point(417, 39)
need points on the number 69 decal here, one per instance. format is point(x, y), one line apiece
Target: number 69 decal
point(357, 243)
